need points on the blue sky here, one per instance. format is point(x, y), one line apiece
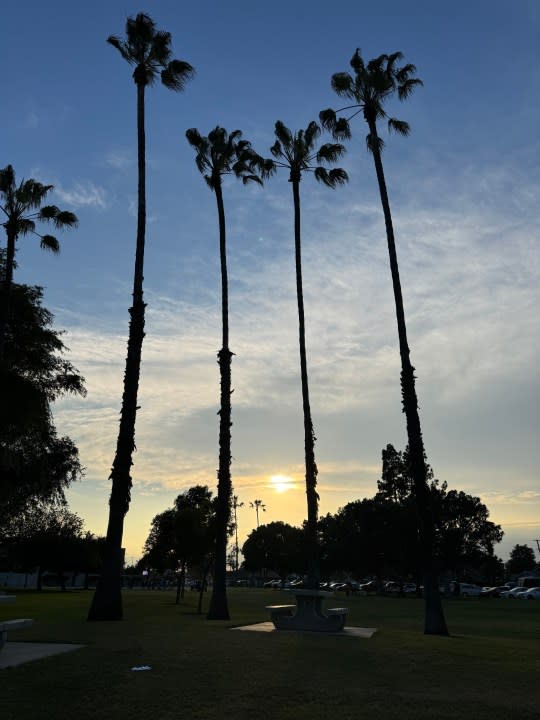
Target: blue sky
point(464, 190)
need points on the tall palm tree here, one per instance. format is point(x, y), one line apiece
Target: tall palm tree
point(256, 505)
point(149, 51)
point(372, 85)
point(217, 155)
point(297, 152)
point(22, 208)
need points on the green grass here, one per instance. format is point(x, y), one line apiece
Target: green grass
point(489, 668)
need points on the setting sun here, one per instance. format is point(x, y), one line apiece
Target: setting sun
point(281, 483)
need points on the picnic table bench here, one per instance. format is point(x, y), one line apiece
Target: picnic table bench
point(9, 625)
point(7, 598)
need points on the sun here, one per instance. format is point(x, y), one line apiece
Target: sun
point(281, 483)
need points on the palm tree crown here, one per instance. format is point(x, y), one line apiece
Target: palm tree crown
point(149, 50)
point(297, 152)
point(22, 208)
point(222, 153)
point(372, 85)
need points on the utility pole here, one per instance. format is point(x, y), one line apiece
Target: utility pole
point(235, 505)
point(537, 544)
point(258, 504)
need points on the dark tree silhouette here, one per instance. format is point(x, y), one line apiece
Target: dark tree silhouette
point(22, 207)
point(36, 465)
point(372, 85)
point(217, 155)
point(149, 51)
point(297, 152)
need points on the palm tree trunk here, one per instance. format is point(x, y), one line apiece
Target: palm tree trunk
point(107, 600)
point(434, 620)
point(218, 609)
point(309, 435)
point(6, 289)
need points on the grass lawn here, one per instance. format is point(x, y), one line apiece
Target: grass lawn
point(489, 668)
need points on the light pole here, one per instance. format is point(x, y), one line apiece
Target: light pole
point(235, 505)
point(258, 504)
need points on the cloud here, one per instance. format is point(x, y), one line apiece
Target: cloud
point(469, 274)
point(83, 195)
point(119, 159)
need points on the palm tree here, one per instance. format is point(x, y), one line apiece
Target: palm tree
point(297, 152)
point(149, 51)
point(235, 505)
point(217, 155)
point(22, 208)
point(256, 505)
point(372, 85)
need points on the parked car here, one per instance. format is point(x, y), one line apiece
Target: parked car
point(493, 592)
point(512, 593)
point(530, 594)
point(469, 590)
point(370, 586)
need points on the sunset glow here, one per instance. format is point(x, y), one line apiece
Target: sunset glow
point(281, 483)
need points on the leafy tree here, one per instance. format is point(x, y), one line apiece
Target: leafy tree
point(297, 153)
point(183, 537)
point(277, 546)
point(522, 558)
point(217, 155)
point(371, 87)
point(22, 207)
point(49, 538)
point(149, 51)
point(36, 465)
point(379, 535)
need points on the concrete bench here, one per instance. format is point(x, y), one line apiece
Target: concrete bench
point(8, 625)
point(279, 610)
point(7, 598)
point(338, 612)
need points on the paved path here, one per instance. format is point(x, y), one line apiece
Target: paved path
point(17, 653)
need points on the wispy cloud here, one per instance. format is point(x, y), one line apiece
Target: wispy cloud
point(119, 159)
point(85, 194)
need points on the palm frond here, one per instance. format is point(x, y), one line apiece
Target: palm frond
point(65, 218)
point(7, 179)
point(356, 62)
point(48, 212)
point(330, 152)
point(376, 65)
point(194, 137)
point(139, 31)
point(277, 150)
point(391, 61)
point(331, 178)
point(31, 193)
point(117, 43)
point(160, 48)
point(251, 178)
point(283, 134)
point(399, 126)
point(177, 74)
point(406, 88)
point(49, 242)
point(25, 226)
point(312, 132)
point(404, 73)
point(328, 119)
point(343, 84)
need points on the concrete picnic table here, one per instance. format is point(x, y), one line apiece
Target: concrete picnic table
point(308, 613)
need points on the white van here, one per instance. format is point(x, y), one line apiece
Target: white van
point(468, 590)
